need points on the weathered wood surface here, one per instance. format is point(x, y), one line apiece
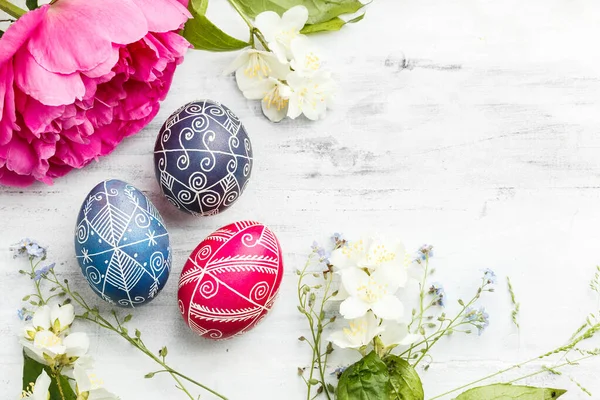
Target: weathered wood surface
point(471, 125)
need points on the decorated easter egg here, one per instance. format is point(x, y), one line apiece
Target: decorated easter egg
point(122, 244)
point(203, 158)
point(230, 281)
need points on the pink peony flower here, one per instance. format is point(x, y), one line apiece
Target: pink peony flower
point(78, 76)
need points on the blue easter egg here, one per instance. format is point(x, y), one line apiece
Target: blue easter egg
point(122, 244)
point(203, 158)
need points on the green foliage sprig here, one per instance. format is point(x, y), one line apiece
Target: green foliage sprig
point(314, 290)
point(61, 288)
point(379, 374)
point(324, 15)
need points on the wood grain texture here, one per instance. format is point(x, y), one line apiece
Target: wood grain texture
point(469, 124)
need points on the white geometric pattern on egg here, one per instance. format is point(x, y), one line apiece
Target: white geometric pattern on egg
point(122, 244)
point(203, 158)
point(231, 280)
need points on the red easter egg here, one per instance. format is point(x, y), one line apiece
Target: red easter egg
point(230, 281)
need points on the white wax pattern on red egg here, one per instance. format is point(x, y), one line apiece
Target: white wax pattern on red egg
point(231, 280)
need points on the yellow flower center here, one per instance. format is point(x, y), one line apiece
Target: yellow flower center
point(380, 255)
point(95, 381)
point(372, 292)
point(273, 98)
point(257, 67)
point(356, 329)
point(48, 341)
point(285, 37)
point(353, 248)
point(312, 61)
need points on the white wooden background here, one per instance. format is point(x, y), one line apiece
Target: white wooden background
point(469, 124)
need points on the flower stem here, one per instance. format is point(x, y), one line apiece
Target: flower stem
point(56, 377)
point(121, 331)
point(37, 282)
point(11, 9)
point(254, 31)
point(485, 378)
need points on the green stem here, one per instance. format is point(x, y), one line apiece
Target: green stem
point(136, 342)
point(11, 9)
point(429, 346)
point(422, 292)
point(554, 368)
point(485, 378)
point(254, 31)
point(37, 283)
point(56, 377)
point(323, 364)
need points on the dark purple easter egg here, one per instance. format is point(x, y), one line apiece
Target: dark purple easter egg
point(203, 158)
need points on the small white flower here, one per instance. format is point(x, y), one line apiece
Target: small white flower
point(38, 390)
point(359, 333)
point(274, 95)
point(45, 348)
point(41, 318)
point(88, 384)
point(252, 66)
point(61, 317)
point(397, 335)
point(280, 31)
point(369, 253)
point(375, 292)
point(305, 57)
point(76, 344)
point(310, 94)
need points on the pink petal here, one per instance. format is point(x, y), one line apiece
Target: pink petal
point(39, 117)
point(174, 42)
point(77, 35)
point(17, 34)
point(21, 158)
point(10, 178)
point(163, 15)
point(48, 88)
point(105, 66)
point(7, 104)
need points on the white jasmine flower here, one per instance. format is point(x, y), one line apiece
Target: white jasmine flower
point(38, 390)
point(61, 317)
point(274, 95)
point(373, 292)
point(76, 344)
point(310, 94)
point(359, 333)
point(41, 318)
point(45, 348)
point(397, 335)
point(305, 56)
point(280, 31)
point(370, 254)
point(89, 386)
point(253, 66)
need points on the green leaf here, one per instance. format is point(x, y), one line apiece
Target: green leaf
point(204, 35)
point(404, 380)
point(318, 10)
point(32, 369)
point(31, 4)
point(368, 379)
point(334, 24)
point(504, 391)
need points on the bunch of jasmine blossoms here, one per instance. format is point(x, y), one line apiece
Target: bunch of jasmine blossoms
point(371, 274)
point(283, 68)
point(393, 345)
point(56, 363)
